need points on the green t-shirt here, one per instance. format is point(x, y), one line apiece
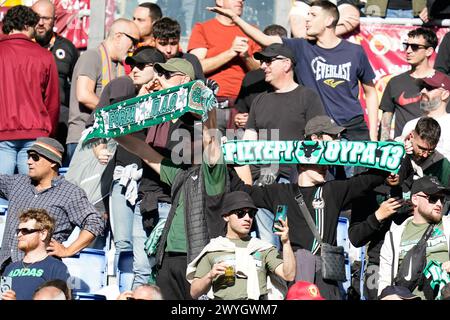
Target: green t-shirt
point(214, 184)
point(436, 245)
point(267, 260)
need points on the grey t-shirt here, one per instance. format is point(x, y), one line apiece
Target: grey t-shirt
point(90, 65)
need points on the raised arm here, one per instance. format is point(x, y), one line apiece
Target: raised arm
point(211, 142)
point(253, 32)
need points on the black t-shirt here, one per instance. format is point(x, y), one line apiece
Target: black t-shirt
point(253, 84)
point(287, 113)
point(66, 56)
point(402, 97)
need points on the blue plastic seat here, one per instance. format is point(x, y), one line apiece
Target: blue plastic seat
point(344, 241)
point(88, 270)
point(3, 213)
point(125, 273)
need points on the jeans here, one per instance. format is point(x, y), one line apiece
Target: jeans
point(264, 222)
point(399, 13)
point(142, 265)
point(13, 154)
point(70, 150)
point(122, 217)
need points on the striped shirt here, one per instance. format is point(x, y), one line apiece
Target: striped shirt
point(64, 201)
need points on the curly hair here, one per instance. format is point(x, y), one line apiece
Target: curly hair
point(43, 221)
point(19, 18)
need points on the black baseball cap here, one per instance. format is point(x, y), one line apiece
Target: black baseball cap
point(273, 50)
point(400, 291)
point(429, 185)
point(236, 200)
point(322, 124)
point(145, 54)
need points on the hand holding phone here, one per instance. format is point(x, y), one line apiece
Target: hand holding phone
point(279, 214)
point(5, 285)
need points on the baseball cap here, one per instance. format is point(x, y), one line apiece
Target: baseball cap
point(322, 124)
point(438, 80)
point(400, 291)
point(177, 64)
point(303, 290)
point(145, 54)
point(273, 50)
point(48, 148)
point(428, 185)
point(236, 200)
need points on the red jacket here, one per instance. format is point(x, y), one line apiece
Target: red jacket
point(29, 89)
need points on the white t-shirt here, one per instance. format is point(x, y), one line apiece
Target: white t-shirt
point(443, 145)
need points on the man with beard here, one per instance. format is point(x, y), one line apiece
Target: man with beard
point(34, 234)
point(433, 101)
point(402, 94)
point(427, 197)
point(65, 54)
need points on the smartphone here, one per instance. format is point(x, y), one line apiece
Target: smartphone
point(280, 213)
point(396, 192)
point(5, 285)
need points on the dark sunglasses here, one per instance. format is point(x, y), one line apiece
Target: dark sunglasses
point(414, 46)
point(26, 231)
point(269, 61)
point(133, 40)
point(242, 212)
point(433, 198)
point(34, 156)
point(167, 74)
point(141, 66)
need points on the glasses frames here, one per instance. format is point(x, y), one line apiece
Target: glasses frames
point(167, 74)
point(34, 156)
point(414, 46)
point(241, 213)
point(141, 66)
point(268, 61)
point(133, 40)
point(26, 231)
point(433, 198)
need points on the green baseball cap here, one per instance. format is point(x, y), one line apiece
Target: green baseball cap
point(176, 64)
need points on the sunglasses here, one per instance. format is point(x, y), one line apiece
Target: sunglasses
point(433, 198)
point(34, 156)
point(268, 61)
point(241, 213)
point(141, 66)
point(26, 231)
point(167, 74)
point(414, 46)
point(133, 40)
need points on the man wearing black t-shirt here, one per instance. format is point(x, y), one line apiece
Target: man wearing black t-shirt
point(402, 94)
point(65, 54)
point(279, 114)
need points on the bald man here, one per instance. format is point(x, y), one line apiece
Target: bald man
point(65, 54)
point(143, 292)
point(93, 71)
